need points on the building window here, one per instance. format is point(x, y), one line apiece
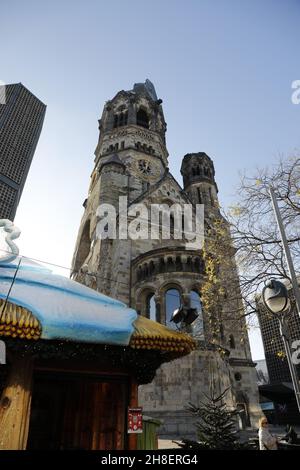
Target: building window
point(142, 118)
point(199, 196)
point(172, 223)
point(231, 342)
point(150, 307)
point(211, 197)
point(238, 376)
point(195, 302)
point(172, 302)
point(120, 119)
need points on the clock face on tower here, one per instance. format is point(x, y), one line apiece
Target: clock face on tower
point(146, 169)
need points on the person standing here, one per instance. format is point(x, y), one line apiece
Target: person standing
point(266, 440)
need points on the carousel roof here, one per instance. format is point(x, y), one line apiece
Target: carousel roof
point(43, 305)
point(37, 304)
point(19, 322)
point(60, 308)
point(149, 334)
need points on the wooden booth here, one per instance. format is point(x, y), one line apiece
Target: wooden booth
point(67, 394)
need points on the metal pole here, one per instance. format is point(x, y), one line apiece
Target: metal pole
point(285, 338)
point(286, 249)
point(11, 285)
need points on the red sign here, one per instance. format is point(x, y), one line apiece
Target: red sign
point(135, 420)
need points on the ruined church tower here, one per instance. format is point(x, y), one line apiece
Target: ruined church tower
point(156, 276)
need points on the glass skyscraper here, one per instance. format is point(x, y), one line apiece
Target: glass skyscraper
point(21, 121)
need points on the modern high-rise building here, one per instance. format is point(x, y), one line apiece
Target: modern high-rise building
point(280, 389)
point(21, 120)
point(277, 364)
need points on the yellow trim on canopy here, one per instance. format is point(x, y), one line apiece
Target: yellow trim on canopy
point(18, 322)
point(149, 334)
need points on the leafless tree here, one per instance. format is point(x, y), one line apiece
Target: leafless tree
point(255, 236)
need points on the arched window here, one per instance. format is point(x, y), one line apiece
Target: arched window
point(172, 224)
point(115, 120)
point(145, 270)
point(172, 302)
point(151, 268)
point(221, 331)
point(197, 264)
point(150, 307)
point(231, 342)
point(198, 329)
point(170, 264)
point(142, 118)
point(199, 196)
point(120, 119)
point(139, 273)
point(242, 407)
point(238, 376)
point(178, 263)
point(189, 263)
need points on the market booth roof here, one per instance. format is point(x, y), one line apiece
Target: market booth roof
point(18, 322)
point(36, 304)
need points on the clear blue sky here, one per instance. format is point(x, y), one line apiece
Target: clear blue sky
point(223, 69)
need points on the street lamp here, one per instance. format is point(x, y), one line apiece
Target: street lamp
point(275, 298)
point(185, 315)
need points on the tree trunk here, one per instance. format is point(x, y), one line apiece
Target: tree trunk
point(15, 405)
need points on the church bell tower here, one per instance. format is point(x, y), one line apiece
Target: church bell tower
point(131, 156)
point(132, 132)
point(198, 174)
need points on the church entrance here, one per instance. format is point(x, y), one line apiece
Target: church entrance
point(78, 411)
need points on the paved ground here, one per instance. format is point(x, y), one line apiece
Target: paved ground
point(244, 435)
point(167, 444)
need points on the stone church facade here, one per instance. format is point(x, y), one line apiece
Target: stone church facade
point(156, 276)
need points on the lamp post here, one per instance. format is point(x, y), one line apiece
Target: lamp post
point(286, 248)
point(276, 299)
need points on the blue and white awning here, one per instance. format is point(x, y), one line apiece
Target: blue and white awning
point(66, 309)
